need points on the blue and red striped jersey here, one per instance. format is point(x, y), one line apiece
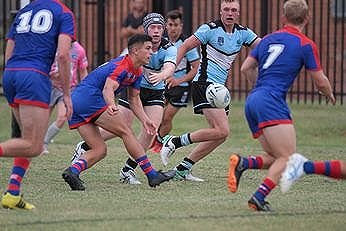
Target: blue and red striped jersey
point(35, 32)
point(281, 55)
point(119, 69)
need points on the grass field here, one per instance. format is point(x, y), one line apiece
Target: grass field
point(315, 203)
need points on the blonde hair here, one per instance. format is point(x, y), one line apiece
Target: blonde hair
point(296, 11)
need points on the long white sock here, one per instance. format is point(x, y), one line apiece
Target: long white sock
point(52, 131)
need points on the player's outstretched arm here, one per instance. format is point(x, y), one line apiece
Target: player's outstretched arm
point(322, 84)
point(137, 108)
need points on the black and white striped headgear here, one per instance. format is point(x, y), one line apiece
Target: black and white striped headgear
point(153, 18)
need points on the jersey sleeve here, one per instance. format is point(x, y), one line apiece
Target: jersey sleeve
point(192, 55)
point(117, 74)
point(202, 33)
point(249, 37)
point(311, 57)
point(68, 25)
point(171, 55)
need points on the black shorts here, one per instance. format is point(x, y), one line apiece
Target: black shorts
point(198, 89)
point(178, 96)
point(149, 97)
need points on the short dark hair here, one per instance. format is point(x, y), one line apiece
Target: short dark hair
point(138, 38)
point(174, 14)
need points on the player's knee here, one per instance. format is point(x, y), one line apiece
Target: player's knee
point(60, 120)
point(223, 133)
point(35, 150)
point(102, 151)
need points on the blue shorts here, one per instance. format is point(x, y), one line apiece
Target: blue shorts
point(88, 105)
point(264, 109)
point(26, 87)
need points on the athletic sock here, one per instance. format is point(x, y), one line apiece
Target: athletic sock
point(330, 168)
point(130, 165)
point(1, 151)
point(52, 131)
point(20, 165)
point(145, 165)
point(186, 164)
point(264, 189)
point(85, 146)
point(182, 140)
point(253, 162)
point(79, 166)
point(159, 138)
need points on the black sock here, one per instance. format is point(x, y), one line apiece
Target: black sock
point(159, 138)
point(177, 142)
point(130, 164)
point(186, 164)
point(85, 146)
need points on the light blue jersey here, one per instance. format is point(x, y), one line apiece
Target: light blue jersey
point(166, 53)
point(219, 49)
point(190, 56)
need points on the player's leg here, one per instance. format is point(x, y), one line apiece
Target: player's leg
point(298, 165)
point(218, 127)
point(97, 151)
point(11, 198)
point(280, 142)
point(154, 113)
point(218, 131)
point(153, 103)
point(165, 127)
point(116, 125)
point(238, 164)
point(176, 98)
point(34, 121)
point(54, 128)
point(167, 121)
point(82, 146)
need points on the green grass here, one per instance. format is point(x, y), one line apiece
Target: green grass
point(315, 203)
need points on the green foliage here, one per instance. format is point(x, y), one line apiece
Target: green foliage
point(315, 203)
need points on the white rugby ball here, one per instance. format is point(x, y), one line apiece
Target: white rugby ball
point(218, 95)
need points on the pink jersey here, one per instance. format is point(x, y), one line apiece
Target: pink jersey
point(78, 62)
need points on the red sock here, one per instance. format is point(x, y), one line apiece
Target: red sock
point(20, 166)
point(1, 151)
point(328, 168)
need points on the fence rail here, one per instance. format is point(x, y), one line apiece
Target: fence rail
point(102, 41)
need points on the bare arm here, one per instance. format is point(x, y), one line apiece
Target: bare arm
point(249, 69)
point(255, 43)
point(172, 82)
point(188, 44)
point(137, 108)
point(127, 32)
point(9, 49)
point(108, 95)
point(323, 85)
point(64, 63)
point(167, 71)
point(228, 82)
